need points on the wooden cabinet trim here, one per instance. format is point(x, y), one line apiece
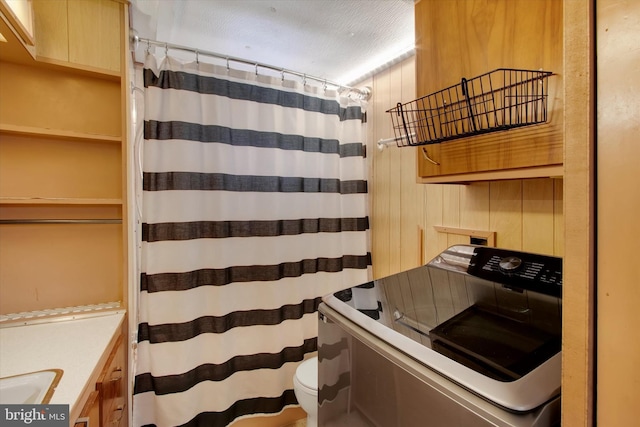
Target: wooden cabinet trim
point(578, 279)
point(555, 171)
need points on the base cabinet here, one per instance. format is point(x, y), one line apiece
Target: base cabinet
point(106, 405)
point(111, 388)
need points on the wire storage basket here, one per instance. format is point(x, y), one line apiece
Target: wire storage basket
point(498, 100)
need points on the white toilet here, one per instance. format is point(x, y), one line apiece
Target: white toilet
point(305, 386)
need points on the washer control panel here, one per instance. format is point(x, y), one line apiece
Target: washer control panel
point(518, 270)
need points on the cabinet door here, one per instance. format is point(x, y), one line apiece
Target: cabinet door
point(50, 19)
point(467, 38)
point(94, 33)
point(85, 33)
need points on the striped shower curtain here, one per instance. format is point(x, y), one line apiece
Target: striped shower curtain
point(253, 207)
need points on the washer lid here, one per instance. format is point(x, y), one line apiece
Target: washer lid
point(307, 373)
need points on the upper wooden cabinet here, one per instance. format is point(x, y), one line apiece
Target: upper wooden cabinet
point(79, 33)
point(458, 39)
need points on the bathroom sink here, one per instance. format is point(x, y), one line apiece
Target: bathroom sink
point(31, 388)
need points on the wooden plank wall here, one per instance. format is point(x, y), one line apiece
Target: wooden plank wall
point(525, 214)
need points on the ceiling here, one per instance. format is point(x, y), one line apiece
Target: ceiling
point(343, 41)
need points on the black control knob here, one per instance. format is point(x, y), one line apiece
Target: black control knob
point(510, 264)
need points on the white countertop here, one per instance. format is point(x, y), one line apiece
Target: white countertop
point(75, 346)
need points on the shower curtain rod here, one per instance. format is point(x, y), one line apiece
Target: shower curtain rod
point(364, 93)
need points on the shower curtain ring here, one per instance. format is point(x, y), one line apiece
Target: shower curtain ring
point(148, 46)
point(282, 74)
point(197, 57)
point(166, 49)
point(256, 69)
point(227, 64)
point(304, 80)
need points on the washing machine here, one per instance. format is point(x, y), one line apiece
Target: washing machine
point(472, 338)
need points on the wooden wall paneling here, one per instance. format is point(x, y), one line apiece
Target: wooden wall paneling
point(451, 213)
point(395, 177)
point(618, 230)
point(381, 225)
point(578, 266)
point(50, 18)
point(505, 215)
point(94, 30)
point(451, 206)
point(411, 193)
point(537, 216)
point(474, 206)
point(433, 209)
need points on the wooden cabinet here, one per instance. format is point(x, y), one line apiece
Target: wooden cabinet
point(63, 234)
point(111, 387)
point(467, 38)
point(83, 33)
point(107, 400)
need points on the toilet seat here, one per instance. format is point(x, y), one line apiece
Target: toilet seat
point(307, 375)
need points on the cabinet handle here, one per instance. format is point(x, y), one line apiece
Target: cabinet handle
point(116, 375)
point(117, 414)
point(426, 156)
